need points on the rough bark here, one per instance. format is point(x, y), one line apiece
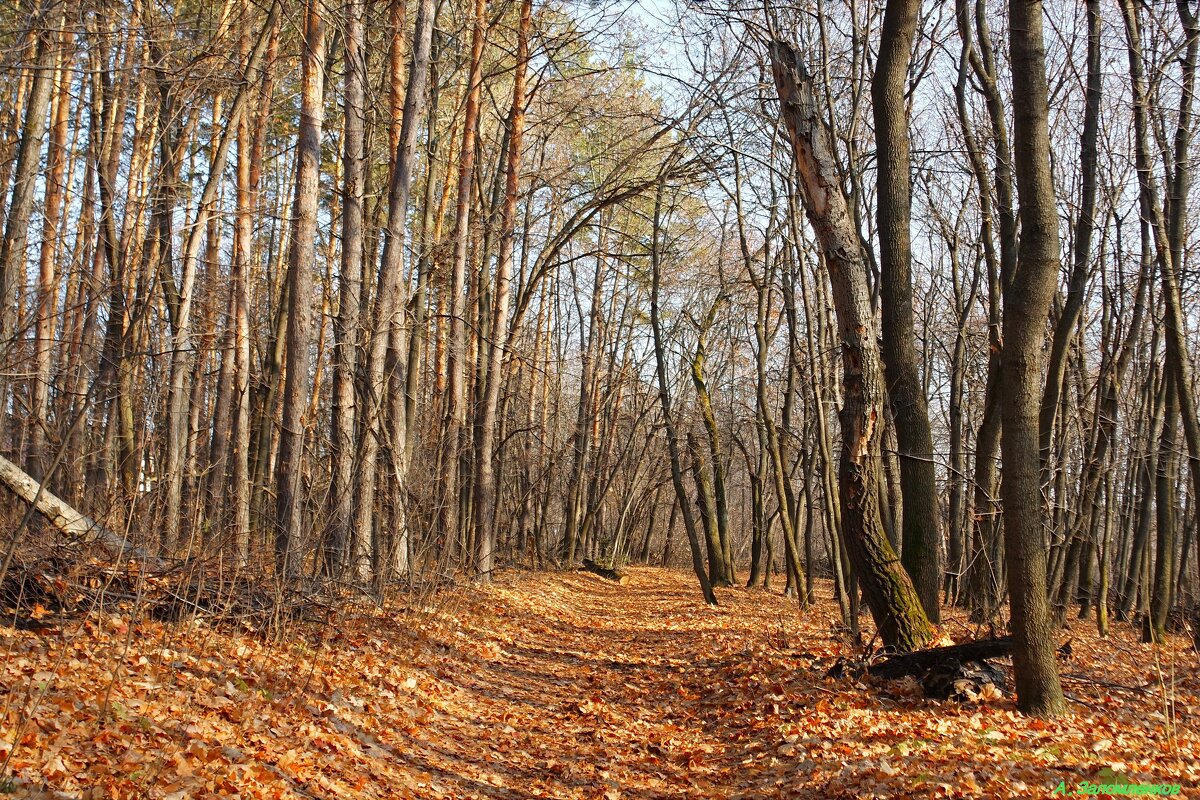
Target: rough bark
point(454, 427)
point(20, 205)
point(182, 345)
point(389, 306)
point(889, 592)
point(1026, 307)
point(346, 327)
point(289, 509)
point(921, 531)
point(485, 425)
point(241, 485)
point(48, 278)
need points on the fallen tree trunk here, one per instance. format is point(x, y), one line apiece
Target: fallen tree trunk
point(921, 661)
point(67, 520)
point(605, 572)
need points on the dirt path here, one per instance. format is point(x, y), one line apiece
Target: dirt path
point(581, 688)
point(592, 689)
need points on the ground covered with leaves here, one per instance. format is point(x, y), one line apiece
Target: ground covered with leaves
point(560, 685)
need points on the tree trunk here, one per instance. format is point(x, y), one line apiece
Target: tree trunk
point(182, 346)
point(889, 592)
point(720, 508)
point(1026, 307)
point(1085, 225)
point(664, 398)
point(20, 206)
point(921, 532)
point(241, 483)
point(385, 322)
point(48, 278)
point(346, 328)
point(485, 423)
point(63, 517)
point(453, 429)
point(1165, 497)
point(290, 499)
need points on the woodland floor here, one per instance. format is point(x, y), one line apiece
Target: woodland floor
point(560, 685)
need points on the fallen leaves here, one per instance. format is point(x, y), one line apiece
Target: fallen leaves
point(555, 685)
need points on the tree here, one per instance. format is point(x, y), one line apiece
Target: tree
point(291, 522)
point(921, 538)
point(888, 590)
point(454, 427)
point(386, 328)
point(485, 422)
point(20, 206)
point(664, 399)
point(346, 329)
point(1026, 306)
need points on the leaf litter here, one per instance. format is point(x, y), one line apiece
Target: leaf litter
point(562, 685)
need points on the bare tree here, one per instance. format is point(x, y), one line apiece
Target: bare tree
point(888, 590)
point(291, 520)
point(1026, 306)
point(921, 542)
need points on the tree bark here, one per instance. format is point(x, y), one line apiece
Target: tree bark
point(20, 206)
point(485, 423)
point(241, 483)
point(726, 574)
point(48, 278)
point(346, 328)
point(921, 531)
point(58, 513)
point(290, 499)
point(454, 427)
point(385, 320)
point(182, 346)
point(1026, 307)
point(889, 592)
point(664, 398)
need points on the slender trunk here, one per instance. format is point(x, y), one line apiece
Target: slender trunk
point(485, 423)
point(725, 572)
point(921, 532)
point(241, 484)
point(182, 346)
point(47, 297)
point(958, 553)
point(20, 205)
point(346, 329)
point(1165, 497)
point(386, 321)
point(450, 520)
point(1085, 225)
point(1026, 306)
point(290, 498)
point(664, 398)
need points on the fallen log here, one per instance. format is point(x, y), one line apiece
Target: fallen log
point(67, 520)
point(921, 661)
point(605, 572)
point(958, 672)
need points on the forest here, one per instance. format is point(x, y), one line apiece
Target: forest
point(606, 399)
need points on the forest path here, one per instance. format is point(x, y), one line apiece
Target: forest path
point(586, 688)
point(571, 686)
